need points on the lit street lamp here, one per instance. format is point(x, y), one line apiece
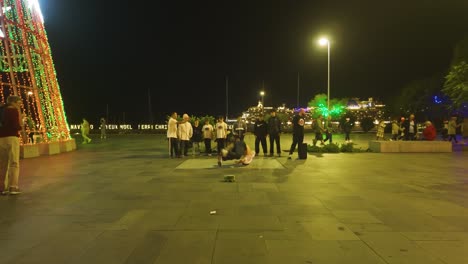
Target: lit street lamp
point(262, 93)
point(323, 42)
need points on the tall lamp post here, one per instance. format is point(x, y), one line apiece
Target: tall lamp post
point(323, 42)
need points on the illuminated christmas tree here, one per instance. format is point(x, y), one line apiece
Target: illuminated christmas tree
point(27, 69)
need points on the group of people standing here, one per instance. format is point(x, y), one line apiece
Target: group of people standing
point(271, 128)
point(406, 129)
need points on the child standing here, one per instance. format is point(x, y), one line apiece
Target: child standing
point(395, 130)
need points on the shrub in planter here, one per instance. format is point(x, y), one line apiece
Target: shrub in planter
point(311, 148)
point(347, 147)
point(331, 148)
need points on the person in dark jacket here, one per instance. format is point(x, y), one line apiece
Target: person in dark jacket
point(347, 127)
point(274, 130)
point(10, 145)
point(197, 137)
point(260, 132)
point(298, 131)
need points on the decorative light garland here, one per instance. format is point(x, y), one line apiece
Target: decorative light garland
point(27, 69)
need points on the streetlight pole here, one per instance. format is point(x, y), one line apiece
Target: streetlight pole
point(323, 42)
point(262, 93)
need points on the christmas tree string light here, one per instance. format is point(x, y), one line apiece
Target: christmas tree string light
point(27, 69)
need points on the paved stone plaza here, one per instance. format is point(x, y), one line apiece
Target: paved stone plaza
point(125, 201)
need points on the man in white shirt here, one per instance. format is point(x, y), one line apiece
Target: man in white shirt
point(207, 136)
point(221, 135)
point(172, 136)
point(185, 132)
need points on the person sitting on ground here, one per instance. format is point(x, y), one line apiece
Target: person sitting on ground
point(237, 149)
point(429, 131)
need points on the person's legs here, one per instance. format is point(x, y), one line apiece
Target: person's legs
point(264, 145)
point(257, 145)
point(220, 147)
point(293, 145)
point(13, 166)
point(272, 139)
point(5, 149)
point(175, 147)
point(278, 147)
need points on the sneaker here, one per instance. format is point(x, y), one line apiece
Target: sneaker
point(14, 190)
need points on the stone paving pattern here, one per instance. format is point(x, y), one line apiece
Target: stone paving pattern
point(125, 201)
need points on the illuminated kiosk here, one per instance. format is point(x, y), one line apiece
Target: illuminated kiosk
point(27, 70)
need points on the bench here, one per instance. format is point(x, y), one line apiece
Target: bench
point(410, 146)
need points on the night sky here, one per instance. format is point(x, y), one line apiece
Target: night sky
point(115, 53)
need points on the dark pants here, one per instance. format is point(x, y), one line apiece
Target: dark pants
point(347, 135)
point(174, 147)
point(328, 136)
point(207, 145)
point(184, 146)
point(275, 138)
point(259, 140)
point(410, 136)
point(452, 138)
point(220, 146)
point(297, 139)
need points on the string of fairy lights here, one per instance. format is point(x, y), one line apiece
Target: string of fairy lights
point(27, 70)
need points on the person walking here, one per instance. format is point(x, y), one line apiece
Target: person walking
point(260, 132)
point(274, 130)
point(11, 122)
point(328, 130)
point(452, 129)
point(318, 129)
point(103, 128)
point(298, 131)
point(85, 131)
point(347, 127)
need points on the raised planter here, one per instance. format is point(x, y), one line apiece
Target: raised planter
point(68, 145)
point(49, 148)
point(29, 151)
point(410, 146)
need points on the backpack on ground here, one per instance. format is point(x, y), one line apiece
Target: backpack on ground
point(302, 151)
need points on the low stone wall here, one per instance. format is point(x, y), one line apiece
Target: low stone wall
point(49, 148)
point(410, 146)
